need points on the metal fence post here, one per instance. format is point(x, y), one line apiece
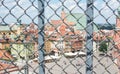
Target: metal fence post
point(89, 37)
point(41, 36)
point(26, 69)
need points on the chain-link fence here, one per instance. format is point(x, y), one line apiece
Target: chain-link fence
point(59, 36)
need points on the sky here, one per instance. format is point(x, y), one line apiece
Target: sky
point(26, 10)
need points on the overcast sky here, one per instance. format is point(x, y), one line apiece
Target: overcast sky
point(26, 10)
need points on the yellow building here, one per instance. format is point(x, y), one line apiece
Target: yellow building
point(47, 46)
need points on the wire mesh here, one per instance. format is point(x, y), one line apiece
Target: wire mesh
point(59, 36)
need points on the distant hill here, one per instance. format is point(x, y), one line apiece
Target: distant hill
point(106, 26)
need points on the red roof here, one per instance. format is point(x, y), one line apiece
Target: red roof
point(56, 22)
point(5, 55)
point(102, 35)
point(5, 66)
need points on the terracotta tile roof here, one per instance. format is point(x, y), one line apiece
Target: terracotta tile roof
point(102, 35)
point(52, 29)
point(77, 32)
point(56, 22)
point(55, 36)
point(5, 55)
point(62, 29)
point(70, 23)
point(71, 33)
point(7, 67)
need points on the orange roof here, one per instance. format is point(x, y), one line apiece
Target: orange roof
point(62, 29)
point(74, 32)
point(52, 29)
point(77, 32)
point(103, 34)
point(99, 38)
point(6, 66)
point(54, 36)
point(59, 22)
point(56, 22)
point(71, 33)
point(5, 55)
point(70, 23)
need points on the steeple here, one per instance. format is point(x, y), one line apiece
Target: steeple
point(63, 14)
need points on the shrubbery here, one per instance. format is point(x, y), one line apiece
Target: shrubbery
point(103, 47)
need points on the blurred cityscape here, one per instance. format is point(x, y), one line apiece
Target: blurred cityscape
point(65, 36)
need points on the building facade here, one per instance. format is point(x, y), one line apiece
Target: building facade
point(19, 38)
point(62, 35)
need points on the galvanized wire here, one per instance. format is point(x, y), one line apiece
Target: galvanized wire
point(59, 36)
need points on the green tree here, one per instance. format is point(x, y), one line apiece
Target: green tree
point(103, 47)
